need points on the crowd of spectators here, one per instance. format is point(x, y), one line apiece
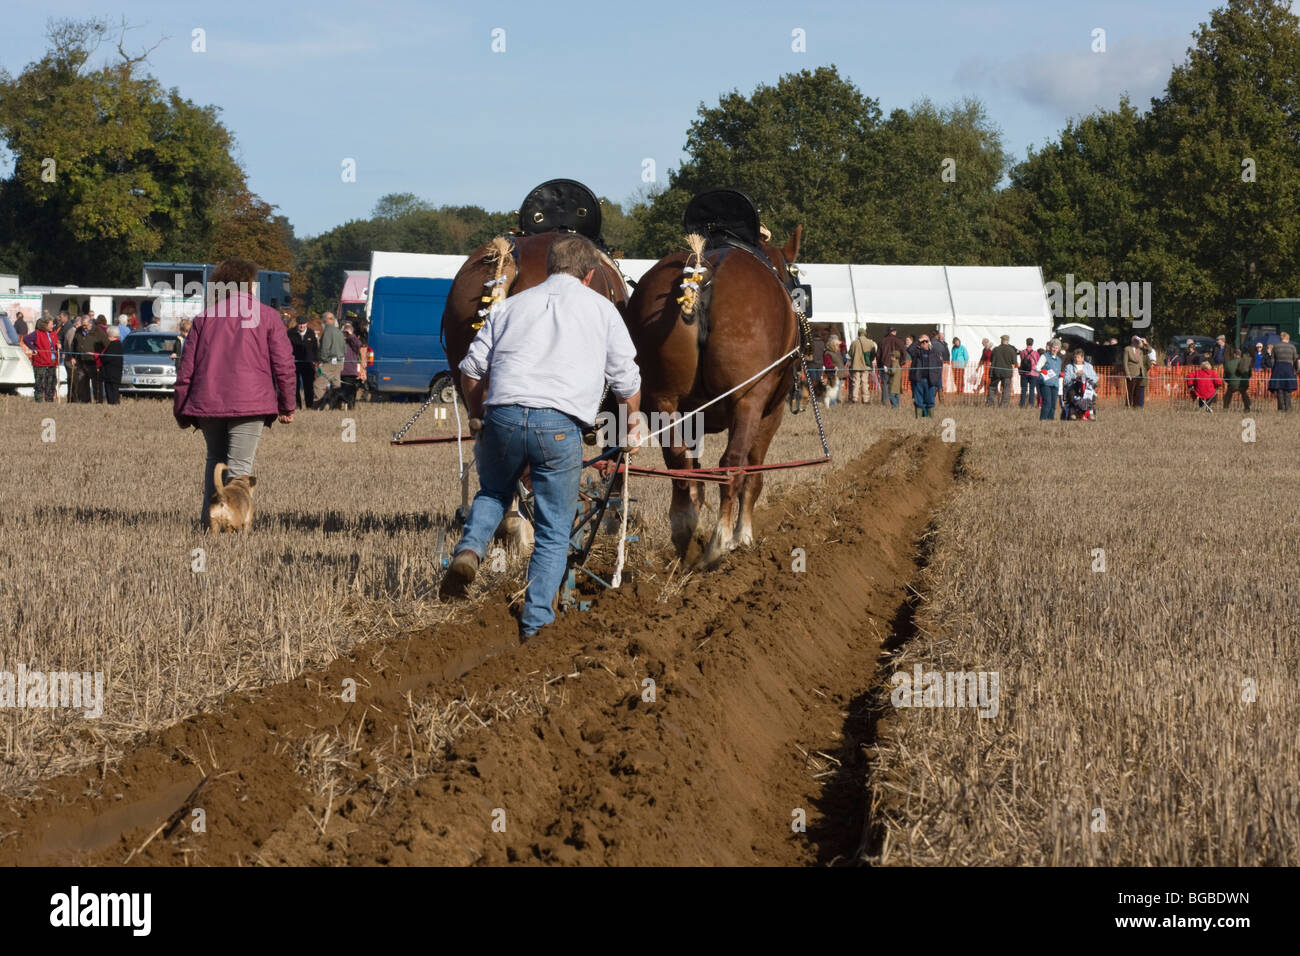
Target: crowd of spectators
point(86, 346)
point(925, 364)
point(89, 349)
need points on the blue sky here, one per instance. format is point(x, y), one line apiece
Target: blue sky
point(414, 93)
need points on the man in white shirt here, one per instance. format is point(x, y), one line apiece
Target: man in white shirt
point(534, 374)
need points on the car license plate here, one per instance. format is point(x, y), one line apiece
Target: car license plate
point(146, 380)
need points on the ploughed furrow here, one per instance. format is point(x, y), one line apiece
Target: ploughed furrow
point(667, 725)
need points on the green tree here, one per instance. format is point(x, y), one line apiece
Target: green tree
point(812, 149)
point(1224, 164)
point(1081, 206)
point(325, 257)
point(397, 205)
point(401, 222)
point(109, 169)
point(939, 170)
point(1200, 196)
point(801, 149)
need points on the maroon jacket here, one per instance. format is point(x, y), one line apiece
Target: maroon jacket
point(237, 363)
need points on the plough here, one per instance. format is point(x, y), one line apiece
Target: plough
point(597, 495)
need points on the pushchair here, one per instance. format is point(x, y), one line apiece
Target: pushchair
point(1080, 401)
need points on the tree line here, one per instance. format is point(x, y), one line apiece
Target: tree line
point(1198, 194)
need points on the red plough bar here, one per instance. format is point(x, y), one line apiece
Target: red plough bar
point(720, 475)
point(430, 441)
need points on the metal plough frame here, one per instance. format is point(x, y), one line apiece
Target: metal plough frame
point(594, 498)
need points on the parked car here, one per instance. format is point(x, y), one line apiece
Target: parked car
point(1205, 346)
point(147, 364)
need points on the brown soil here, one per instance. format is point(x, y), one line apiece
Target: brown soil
point(761, 679)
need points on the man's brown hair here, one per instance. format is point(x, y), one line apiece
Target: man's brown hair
point(573, 255)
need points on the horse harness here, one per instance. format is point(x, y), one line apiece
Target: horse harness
point(702, 286)
point(487, 298)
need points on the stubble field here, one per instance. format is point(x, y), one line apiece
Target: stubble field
point(1121, 690)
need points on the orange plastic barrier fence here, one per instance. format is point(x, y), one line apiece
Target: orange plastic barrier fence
point(1165, 384)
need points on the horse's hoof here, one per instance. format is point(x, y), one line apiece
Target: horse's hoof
point(713, 558)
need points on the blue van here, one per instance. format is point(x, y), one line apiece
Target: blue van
point(405, 340)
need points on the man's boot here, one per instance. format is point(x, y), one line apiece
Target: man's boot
point(459, 576)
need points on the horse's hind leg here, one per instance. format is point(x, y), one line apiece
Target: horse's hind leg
point(684, 512)
point(740, 439)
point(753, 486)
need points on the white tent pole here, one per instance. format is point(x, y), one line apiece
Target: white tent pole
point(858, 324)
point(952, 306)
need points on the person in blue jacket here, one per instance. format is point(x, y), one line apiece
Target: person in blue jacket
point(1049, 379)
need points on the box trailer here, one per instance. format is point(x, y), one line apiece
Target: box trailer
point(1262, 320)
point(181, 289)
point(352, 300)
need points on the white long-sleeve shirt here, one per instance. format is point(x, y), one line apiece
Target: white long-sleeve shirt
point(554, 346)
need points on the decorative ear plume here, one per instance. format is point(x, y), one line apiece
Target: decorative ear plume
point(694, 274)
point(764, 233)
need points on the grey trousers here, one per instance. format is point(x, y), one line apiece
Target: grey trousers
point(232, 441)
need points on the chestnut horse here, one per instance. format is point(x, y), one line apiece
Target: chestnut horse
point(521, 262)
point(515, 263)
point(750, 324)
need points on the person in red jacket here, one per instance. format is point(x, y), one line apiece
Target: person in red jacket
point(42, 347)
point(1204, 384)
point(236, 376)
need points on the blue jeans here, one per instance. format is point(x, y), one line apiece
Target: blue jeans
point(1028, 389)
point(923, 392)
point(1050, 395)
point(550, 444)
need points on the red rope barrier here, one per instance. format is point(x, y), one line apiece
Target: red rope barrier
point(722, 475)
point(430, 441)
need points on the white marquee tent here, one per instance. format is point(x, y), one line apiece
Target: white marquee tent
point(972, 302)
point(991, 301)
point(913, 298)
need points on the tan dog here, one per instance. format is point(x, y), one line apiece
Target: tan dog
point(231, 508)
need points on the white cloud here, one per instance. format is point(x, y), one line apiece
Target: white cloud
point(1076, 82)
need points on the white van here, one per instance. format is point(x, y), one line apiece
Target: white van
point(15, 368)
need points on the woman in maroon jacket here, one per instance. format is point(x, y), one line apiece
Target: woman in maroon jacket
point(236, 373)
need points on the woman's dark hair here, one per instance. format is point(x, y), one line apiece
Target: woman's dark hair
point(235, 270)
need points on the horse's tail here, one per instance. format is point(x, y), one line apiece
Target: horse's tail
point(500, 256)
point(695, 275)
